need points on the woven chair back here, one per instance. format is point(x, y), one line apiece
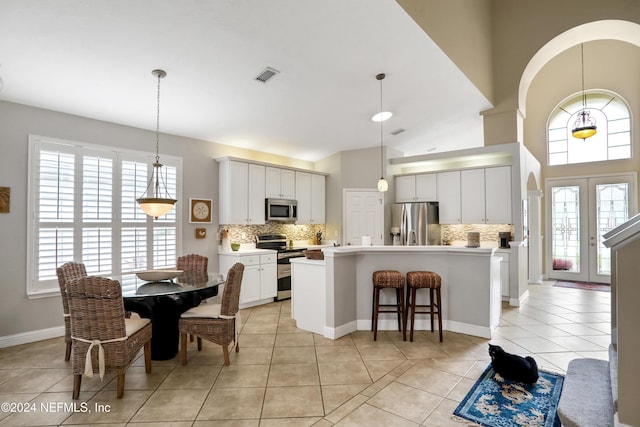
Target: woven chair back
point(65, 273)
point(231, 293)
point(96, 308)
point(193, 263)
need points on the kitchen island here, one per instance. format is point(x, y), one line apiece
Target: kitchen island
point(333, 297)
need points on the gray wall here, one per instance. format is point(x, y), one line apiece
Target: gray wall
point(200, 180)
point(18, 314)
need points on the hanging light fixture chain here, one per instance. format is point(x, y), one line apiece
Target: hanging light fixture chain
point(159, 74)
point(155, 202)
point(584, 95)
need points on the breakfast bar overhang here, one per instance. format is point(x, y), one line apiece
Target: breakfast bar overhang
point(471, 299)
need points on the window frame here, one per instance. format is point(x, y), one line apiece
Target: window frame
point(593, 99)
point(36, 288)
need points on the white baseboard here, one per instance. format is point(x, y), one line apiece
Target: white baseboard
point(517, 302)
point(340, 331)
point(425, 325)
point(466, 328)
point(31, 336)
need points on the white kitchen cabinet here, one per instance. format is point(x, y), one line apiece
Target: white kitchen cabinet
point(280, 183)
point(260, 277)
point(472, 196)
point(448, 189)
point(308, 294)
point(498, 204)
point(310, 193)
point(486, 195)
point(242, 192)
point(416, 188)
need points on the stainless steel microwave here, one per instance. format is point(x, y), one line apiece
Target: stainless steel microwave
point(283, 210)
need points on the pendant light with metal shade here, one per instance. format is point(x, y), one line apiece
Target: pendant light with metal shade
point(383, 185)
point(156, 200)
point(585, 126)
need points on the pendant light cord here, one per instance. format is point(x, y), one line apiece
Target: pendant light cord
point(381, 133)
point(158, 121)
point(381, 77)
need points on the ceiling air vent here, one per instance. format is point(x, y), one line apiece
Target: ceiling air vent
point(397, 131)
point(266, 74)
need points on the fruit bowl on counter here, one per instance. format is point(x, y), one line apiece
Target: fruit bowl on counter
point(158, 275)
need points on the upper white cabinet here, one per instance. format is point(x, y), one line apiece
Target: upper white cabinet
point(242, 192)
point(486, 195)
point(448, 186)
point(416, 188)
point(310, 193)
point(280, 183)
point(498, 203)
point(472, 196)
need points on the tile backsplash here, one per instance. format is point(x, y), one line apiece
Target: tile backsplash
point(488, 232)
point(247, 233)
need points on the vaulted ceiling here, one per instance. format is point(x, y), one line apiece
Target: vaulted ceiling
point(94, 59)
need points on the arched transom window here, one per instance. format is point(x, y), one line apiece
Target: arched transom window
point(613, 136)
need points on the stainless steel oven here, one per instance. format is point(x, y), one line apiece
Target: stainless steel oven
point(279, 243)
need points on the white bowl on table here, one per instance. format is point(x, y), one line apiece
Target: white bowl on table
point(158, 275)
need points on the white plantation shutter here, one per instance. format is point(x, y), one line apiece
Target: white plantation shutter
point(83, 199)
point(164, 247)
point(97, 189)
point(97, 251)
point(134, 182)
point(54, 249)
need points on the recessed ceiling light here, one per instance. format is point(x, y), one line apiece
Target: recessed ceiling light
point(382, 116)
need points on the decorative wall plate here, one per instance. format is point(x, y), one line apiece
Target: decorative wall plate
point(200, 210)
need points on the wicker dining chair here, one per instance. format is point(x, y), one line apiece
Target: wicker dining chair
point(190, 264)
point(217, 323)
point(103, 340)
point(66, 272)
point(193, 263)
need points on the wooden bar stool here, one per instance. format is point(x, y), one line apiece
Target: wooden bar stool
point(391, 279)
point(424, 280)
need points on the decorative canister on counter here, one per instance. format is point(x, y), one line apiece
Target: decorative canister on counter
point(473, 239)
point(226, 244)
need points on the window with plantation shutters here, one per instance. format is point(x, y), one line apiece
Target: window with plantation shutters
point(83, 203)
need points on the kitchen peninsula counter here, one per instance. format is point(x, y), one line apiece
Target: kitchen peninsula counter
point(341, 285)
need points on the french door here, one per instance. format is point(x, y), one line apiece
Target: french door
point(579, 212)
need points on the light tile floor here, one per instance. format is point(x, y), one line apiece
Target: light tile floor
point(284, 376)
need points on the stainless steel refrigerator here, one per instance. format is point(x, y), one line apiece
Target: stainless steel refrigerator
point(415, 224)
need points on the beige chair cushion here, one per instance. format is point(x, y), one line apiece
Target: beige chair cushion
point(204, 310)
point(134, 324)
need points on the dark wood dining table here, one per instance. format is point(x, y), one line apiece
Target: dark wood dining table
point(163, 302)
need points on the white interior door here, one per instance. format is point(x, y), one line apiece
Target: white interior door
point(363, 216)
point(579, 212)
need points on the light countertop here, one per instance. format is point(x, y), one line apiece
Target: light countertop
point(247, 251)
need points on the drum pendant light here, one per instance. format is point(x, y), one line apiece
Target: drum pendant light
point(585, 126)
point(383, 185)
point(156, 200)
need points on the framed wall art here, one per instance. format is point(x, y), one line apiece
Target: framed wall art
point(200, 211)
point(5, 199)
